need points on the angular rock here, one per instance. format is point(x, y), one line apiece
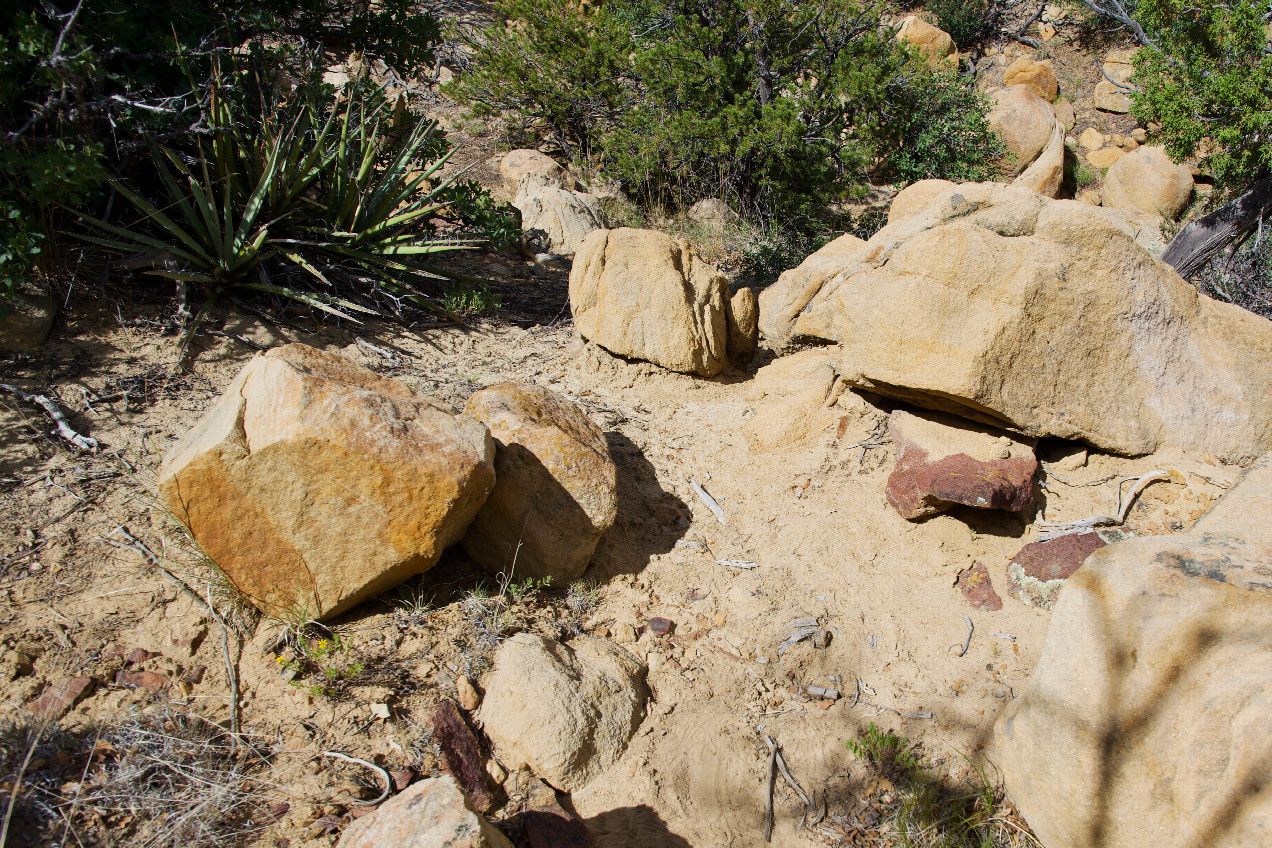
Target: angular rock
point(1091, 138)
point(555, 484)
point(517, 166)
point(1145, 720)
point(566, 217)
point(1146, 179)
point(1047, 171)
point(975, 585)
point(432, 812)
point(314, 483)
point(911, 199)
point(782, 302)
point(1105, 157)
point(799, 395)
point(1038, 570)
point(744, 329)
point(645, 295)
point(58, 698)
point(461, 754)
point(934, 43)
point(1001, 306)
point(26, 320)
point(943, 461)
point(1038, 75)
point(1113, 94)
point(567, 712)
point(1064, 113)
point(1026, 122)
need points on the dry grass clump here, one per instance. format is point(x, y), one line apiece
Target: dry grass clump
point(165, 781)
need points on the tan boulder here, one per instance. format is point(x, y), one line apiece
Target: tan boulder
point(1105, 157)
point(1026, 123)
point(1146, 179)
point(1003, 306)
point(566, 711)
point(1039, 75)
point(1064, 113)
point(1047, 171)
point(517, 166)
point(782, 302)
point(1091, 139)
point(645, 295)
point(566, 217)
point(1145, 721)
point(796, 397)
point(944, 461)
point(934, 43)
point(744, 325)
point(913, 198)
point(1113, 91)
point(431, 812)
point(314, 483)
point(555, 485)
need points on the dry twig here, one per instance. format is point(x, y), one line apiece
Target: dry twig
point(64, 429)
point(384, 776)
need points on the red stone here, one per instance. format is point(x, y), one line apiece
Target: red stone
point(151, 681)
point(461, 755)
point(660, 626)
point(975, 585)
point(58, 698)
point(1056, 559)
point(918, 488)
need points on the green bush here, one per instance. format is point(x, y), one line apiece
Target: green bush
point(781, 108)
point(964, 20)
point(939, 132)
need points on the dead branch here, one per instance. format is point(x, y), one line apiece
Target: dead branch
point(64, 429)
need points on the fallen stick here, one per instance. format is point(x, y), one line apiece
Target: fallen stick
point(786, 772)
point(708, 500)
point(967, 643)
point(744, 564)
point(1056, 530)
point(768, 795)
point(65, 430)
point(384, 776)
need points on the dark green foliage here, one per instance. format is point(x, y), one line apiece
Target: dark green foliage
point(939, 131)
point(964, 20)
point(780, 107)
point(1212, 77)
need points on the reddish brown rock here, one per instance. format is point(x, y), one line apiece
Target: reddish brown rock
point(1038, 571)
point(151, 681)
point(59, 697)
point(975, 585)
point(943, 461)
point(461, 755)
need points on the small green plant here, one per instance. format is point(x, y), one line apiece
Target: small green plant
point(886, 754)
point(464, 299)
point(318, 663)
point(964, 20)
point(1085, 175)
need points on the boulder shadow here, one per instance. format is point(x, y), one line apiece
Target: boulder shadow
point(633, 827)
point(650, 519)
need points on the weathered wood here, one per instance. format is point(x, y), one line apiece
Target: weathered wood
point(1197, 243)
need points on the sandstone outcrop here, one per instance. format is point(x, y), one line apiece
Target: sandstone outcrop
point(645, 295)
point(566, 711)
point(1046, 173)
point(782, 302)
point(517, 166)
point(936, 45)
point(566, 217)
point(999, 305)
point(314, 483)
point(555, 483)
point(1039, 75)
point(943, 462)
point(1026, 122)
point(1146, 179)
point(1145, 720)
point(911, 200)
point(430, 812)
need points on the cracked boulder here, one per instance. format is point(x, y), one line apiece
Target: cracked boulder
point(1145, 721)
point(943, 462)
point(314, 483)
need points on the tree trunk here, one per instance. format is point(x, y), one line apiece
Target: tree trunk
point(1197, 243)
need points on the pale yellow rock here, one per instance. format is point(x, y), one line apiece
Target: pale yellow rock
point(1047, 171)
point(1025, 121)
point(555, 489)
point(1064, 113)
point(1139, 134)
point(314, 483)
point(1038, 75)
point(1090, 196)
point(1113, 94)
point(566, 217)
point(466, 694)
point(1145, 720)
point(1105, 156)
point(782, 302)
point(1121, 56)
point(914, 197)
point(933, 42)
point(645, 295)
point(1003, 306)
point(799, 393)
point(432, 812)
point(519, 165)
point(1148, 180)
point(1091, 138)
point(744, 325)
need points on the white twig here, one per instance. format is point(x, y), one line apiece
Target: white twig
point(744, 564)
point(1056, 530)
point(84, 443)
point(708, 500)
point(967, 643)
point(384, 776)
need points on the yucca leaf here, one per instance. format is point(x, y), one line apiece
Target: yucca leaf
point(314, 300)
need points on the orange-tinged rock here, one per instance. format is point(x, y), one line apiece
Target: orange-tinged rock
point(314, 483)
point(1038, 75)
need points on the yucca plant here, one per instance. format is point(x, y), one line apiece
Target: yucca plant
point(320, 204)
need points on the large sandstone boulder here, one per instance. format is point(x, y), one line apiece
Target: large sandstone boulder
point(943, 462)
point(1146, 179)
point(433, 812)
point(1000, 305)
point(1145, 721)
point(1047, 171)
point(911, 200)
point(1038, 75)
point(566, 217)
point(555, 484)
point(566, 711)
point(646, 295)
point(936, 45)
point(517, 166)
point(1026, 122)
point(782, 302)
point(314, 483)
